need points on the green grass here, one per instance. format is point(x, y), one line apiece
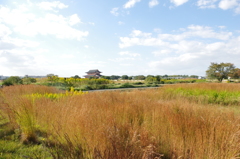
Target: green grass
point(12, 148)
point(207, 96)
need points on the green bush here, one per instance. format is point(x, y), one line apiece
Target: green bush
point(138, 83)
point(13, 80)
point(126, 85)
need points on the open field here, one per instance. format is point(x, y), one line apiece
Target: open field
point(190, 121)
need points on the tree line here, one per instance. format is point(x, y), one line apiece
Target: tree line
point(217, 71)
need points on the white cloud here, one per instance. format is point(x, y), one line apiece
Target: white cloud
point(120, 23)
point(136, 33)
point(222, 27)
point(237, 9)
point(122, 59)
point(223, 4)
point(52, 5)
point(131, 3)
point(192, 48)
point(138, 37)
point(153, 3)
point(129, 53)
point(31, 24)
point(114, 11)
point(67, 56)
point(206, 3)
point(91, 23)
point(162, 52)
point(74, 19)
point(227, 4)
point(178, 2)
point(4, 31)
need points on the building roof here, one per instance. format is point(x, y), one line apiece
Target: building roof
point(94, 71)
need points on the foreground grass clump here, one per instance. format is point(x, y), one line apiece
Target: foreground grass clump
point(172, 122)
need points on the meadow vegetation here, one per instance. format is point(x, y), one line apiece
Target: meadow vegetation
point(175, 121)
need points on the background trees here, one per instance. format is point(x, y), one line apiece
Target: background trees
point(220, 71)
point(235, 73)
point(124, 77)
point(13, 80)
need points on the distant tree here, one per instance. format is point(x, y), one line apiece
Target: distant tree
point(28, 80)
point(165, 76)
point(151, 79)
point(124, 77)
point(76, 76)
point(235, 73)
point(149, 76)
point(13, 80)
point(106, 77)
point(193, 76)
point(219, 71)
point(130, 78)
point(114, 77)
point(52, 78)
point(140, 77)
point(158, 78)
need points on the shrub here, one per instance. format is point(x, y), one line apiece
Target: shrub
point(13, 80)
point(126, 85)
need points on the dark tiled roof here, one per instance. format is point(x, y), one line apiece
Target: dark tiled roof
point(94, 71)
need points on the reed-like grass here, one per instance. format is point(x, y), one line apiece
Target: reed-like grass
point(164, 123)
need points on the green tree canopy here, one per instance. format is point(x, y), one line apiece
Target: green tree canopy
point(124, 77)
point(13, 80)
point(235, 73)
point(219, 71)
point(28, 80)
point(140, 77)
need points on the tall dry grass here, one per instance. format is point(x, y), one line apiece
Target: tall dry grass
point(142, 124)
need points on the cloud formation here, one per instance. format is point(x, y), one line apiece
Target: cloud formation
point(24, 35)
point(188, 47)
point(178, 2)
point(222, 4)
point(130, 3)
point(30, 24)
point(114, 11)
point(153, 3)
point(52, 5)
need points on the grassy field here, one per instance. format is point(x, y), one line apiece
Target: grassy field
point(190, 121)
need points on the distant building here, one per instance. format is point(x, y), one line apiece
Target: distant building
point(93, 73)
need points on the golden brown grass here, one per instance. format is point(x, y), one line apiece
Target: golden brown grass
point(137, 124)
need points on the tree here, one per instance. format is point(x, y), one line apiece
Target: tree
point(219, 71)
point(158, 77)
point(130, 77)
point(151, 79)
point(28, 80)
point(114, 77)
point(124, 77)
point(235, 73)
point(13, 80)
point(76, 76)
point(52, 78)
point(106, 77)
point(193, 76)
point(140, 77)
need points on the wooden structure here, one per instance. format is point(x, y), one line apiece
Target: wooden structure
point(93, 73)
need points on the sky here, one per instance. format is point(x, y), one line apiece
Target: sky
point(117, 37)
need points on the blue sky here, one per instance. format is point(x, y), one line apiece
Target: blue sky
point(127, 37)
